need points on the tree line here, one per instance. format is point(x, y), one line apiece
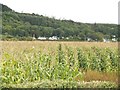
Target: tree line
point(22, 26)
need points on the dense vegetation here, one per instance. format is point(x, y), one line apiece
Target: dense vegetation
point(61, 66)
point(23, 26)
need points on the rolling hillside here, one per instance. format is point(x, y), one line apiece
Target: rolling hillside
point(23, 26)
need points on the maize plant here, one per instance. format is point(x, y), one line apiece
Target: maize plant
point(63, 63)
point(82, 61)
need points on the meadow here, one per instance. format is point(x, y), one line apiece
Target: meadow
point(54, 64)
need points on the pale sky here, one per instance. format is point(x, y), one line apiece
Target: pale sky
point(86, 11)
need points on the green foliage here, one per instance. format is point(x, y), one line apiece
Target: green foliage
point(5, 8)
point(82, 60)
point(71, 58)
point(39, 66)
point(27, 25)
point(60, 55)
point(61, 84)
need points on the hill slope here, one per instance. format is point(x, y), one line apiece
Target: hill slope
point(23, 26)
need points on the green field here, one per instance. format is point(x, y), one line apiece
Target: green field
point(50, 64)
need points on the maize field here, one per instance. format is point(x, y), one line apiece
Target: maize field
point(23, 62)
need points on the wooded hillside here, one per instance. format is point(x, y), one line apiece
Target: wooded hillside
point(23, 26)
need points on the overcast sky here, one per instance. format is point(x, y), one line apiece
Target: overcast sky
point(86, 11)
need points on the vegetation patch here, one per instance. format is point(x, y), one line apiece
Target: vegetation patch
point(61, 66)
point(62, 84)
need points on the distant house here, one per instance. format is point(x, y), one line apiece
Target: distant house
point(53, 38)
point(89, 39)
point(67, 38)
point(33, 38)
point(106, 40)
point(114, 38)
point(41, 38)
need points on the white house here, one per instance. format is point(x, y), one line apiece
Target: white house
point(106, 40)
point(33, 38)
point(67, 38)
point(41, 38)
point(53, 38)
point(114, 38)
point(89, 39)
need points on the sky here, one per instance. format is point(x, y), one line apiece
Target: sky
point(86, 11)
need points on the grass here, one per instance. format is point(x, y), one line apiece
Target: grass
point(62, 84)
point(101, 76)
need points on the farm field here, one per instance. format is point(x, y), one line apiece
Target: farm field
point(54, 64)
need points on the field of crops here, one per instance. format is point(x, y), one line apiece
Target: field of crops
point(72, 62)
